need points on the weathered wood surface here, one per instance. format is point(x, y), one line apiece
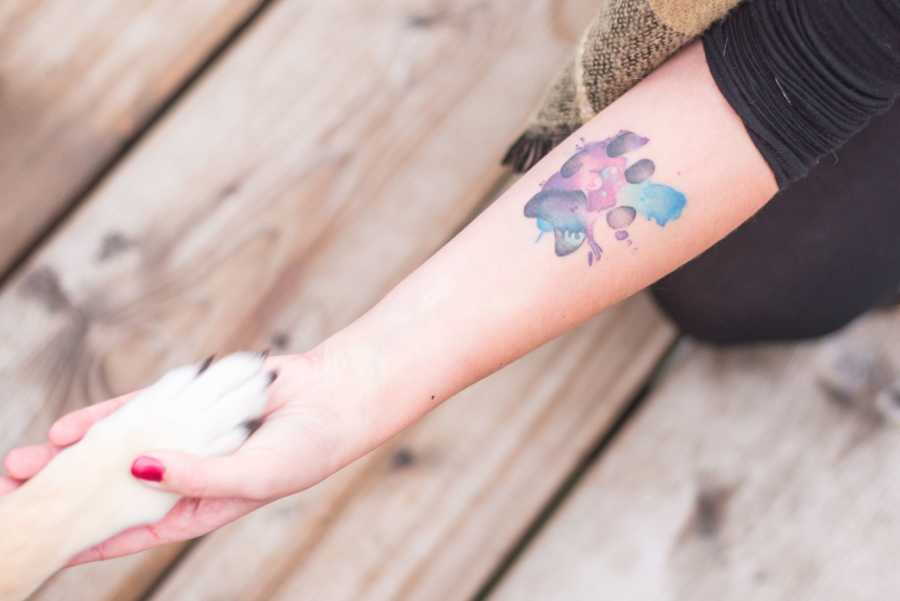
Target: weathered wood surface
point(326, 155)
point(77, 79)
point(433, 514)
point(744, 477)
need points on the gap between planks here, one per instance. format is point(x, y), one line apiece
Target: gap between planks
point(721, 487)
point(370, 167)
point(604, 441)
point(84, 192)
point(503, 181)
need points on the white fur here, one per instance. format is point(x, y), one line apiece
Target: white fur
point(87, 493)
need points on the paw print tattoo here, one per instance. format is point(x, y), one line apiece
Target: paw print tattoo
point(598, 182)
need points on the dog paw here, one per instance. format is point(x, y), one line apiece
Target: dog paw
point(202, 409)
point(205, 409)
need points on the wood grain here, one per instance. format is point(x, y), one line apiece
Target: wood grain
point(431, 515)
point(326, 155)
point(750, 474)
point(78, 79)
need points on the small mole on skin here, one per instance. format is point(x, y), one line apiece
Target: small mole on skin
point(402, 458)
point(424, 21)
point(432, 397)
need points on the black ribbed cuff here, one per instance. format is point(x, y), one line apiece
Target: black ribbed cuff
point(806, 75)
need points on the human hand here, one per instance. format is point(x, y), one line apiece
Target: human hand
point(294, 448)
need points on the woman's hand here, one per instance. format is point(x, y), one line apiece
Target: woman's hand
point(295, 447)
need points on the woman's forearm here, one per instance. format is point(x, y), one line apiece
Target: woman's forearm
point(493, 294)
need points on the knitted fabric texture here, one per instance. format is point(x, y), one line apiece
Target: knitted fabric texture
point(626, 40)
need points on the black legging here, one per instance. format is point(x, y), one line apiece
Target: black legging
point(818, 255)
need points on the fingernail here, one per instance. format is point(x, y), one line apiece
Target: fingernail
point(148, 468)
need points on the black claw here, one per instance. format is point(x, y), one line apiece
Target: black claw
point(206, 363)
point(253, 425)
point(273, 375)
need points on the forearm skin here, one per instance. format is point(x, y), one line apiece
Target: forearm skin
point(493, 294)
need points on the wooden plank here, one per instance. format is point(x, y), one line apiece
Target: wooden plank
point(78, 79)
point(430, 516)
point(744, 477)
point(329, 153)
point(405, 522)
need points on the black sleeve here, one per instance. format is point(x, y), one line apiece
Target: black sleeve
point(806, 75)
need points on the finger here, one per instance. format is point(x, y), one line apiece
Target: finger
point(71, 427)
point(24, 462)
point(133, 540)
point(189, 519)
point(244, 475)
point(8, 485)
point(278, 362)
point(87, 556)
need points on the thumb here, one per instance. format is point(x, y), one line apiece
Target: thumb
point(230, 476)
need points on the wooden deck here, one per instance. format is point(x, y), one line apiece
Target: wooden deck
point(187, 177)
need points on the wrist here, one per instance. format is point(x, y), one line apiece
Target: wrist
point(330, 394)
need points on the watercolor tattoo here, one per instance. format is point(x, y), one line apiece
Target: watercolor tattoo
point(597, 182)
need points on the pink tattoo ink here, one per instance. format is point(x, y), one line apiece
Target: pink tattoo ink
point(598, 180)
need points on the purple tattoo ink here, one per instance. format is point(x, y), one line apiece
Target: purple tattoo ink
point(596, 181)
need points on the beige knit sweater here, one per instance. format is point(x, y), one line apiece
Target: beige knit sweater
point(626, 40)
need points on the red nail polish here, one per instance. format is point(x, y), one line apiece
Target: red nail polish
point(148, 468)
